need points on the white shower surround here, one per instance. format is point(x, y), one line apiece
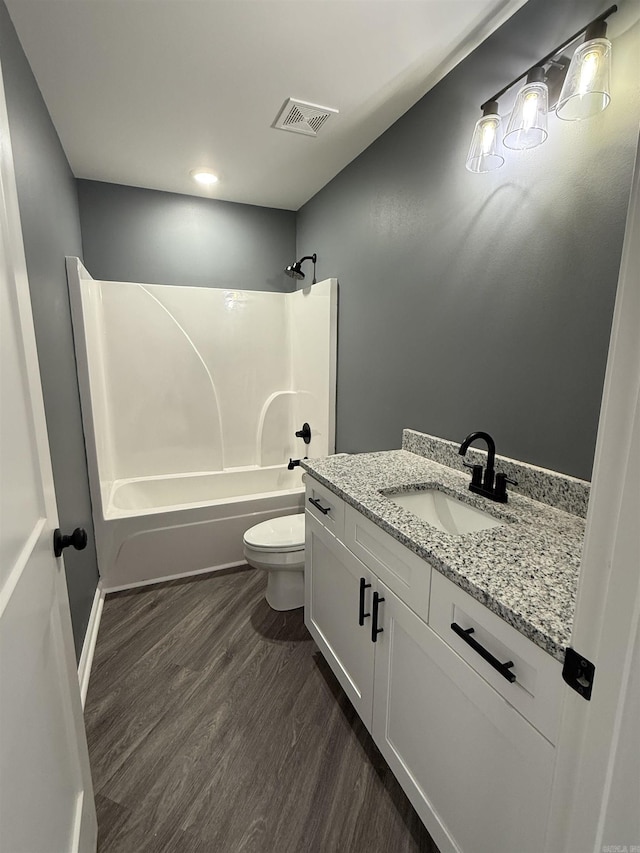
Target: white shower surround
point(190, 400)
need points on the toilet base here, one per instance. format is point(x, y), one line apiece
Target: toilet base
point(285, 589)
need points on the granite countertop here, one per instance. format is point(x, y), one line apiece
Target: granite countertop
point(525, 571)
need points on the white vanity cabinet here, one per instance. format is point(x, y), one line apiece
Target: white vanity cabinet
point(472, 750)
point(334, 578)
point(476, 771)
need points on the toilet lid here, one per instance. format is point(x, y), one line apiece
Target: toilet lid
point(285, 533)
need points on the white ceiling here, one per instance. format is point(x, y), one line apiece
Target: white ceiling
point(143, 91)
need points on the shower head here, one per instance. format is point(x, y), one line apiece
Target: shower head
point(295, 270)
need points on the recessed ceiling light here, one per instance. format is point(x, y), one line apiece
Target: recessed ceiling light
point(204, 176)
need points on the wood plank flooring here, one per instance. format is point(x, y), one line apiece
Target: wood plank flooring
point(214, 724)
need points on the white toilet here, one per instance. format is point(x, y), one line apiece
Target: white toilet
point(277, 546)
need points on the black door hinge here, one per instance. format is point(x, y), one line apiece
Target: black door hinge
point(579, 673)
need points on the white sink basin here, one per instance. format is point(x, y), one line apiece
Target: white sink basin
point(445, 512)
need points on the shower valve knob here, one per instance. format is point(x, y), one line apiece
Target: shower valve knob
point(78, 539)
point(304, 433)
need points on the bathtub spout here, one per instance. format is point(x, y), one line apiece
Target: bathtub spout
point(293, 463)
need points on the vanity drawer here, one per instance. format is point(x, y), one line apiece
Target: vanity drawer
point(537, 690)
point(325, 506)
point(406, 574)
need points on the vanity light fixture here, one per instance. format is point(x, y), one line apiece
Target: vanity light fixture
point(527, 126)
point(586, 87)
point(582, 84)
point(485, 151)
point(204, 176)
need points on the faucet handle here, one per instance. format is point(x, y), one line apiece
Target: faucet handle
point(501, 486)
point(476, 473)
point(304, 433)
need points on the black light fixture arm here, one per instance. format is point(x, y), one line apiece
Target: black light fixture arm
point(599, 19)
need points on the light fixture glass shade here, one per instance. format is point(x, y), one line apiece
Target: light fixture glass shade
point(485, 152)
point(586, 87)
point(527, 126)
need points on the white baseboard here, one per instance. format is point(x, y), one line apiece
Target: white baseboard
point(89, 645)
point(166, 578)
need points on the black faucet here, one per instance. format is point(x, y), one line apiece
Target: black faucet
point(293, 463)
point(485, 485)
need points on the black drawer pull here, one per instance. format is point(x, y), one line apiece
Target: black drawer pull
point(374, 625)
point(361, 614)
point(503, 668)
point(323, 509)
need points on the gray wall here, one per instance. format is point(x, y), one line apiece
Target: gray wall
point(132, 234)
point(481, 301)
point(51, 230)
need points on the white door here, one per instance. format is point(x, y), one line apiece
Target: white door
point(595, 792)
point(46, 796)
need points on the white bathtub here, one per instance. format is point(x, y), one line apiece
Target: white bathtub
point(159, 528)
point(191, 401)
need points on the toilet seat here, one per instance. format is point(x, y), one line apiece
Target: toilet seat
point(283, 535)
point(277, 547)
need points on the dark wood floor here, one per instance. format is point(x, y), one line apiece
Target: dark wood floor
point(214, 724)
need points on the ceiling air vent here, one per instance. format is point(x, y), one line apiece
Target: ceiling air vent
point(301, 117)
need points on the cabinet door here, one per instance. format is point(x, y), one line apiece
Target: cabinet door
point(331, 613)
point(476, 771)
point(537, 691)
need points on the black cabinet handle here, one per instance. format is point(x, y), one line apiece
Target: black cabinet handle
point(361, 614)
point(374, 625)
point(503, 668)
point(323, 509)
point(78, 539)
